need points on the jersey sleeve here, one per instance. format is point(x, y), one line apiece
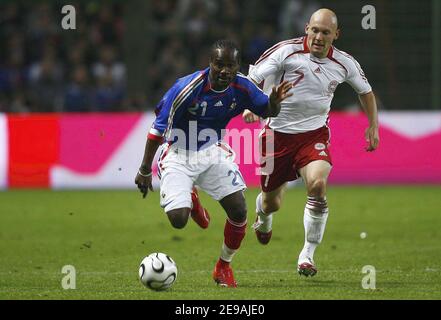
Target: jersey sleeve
point(356, 78)
point(169, 110)
point(268, 64)
point(258, 100)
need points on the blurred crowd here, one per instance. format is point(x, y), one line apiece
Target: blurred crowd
point(100, 66)
point(183, 38)
point(44, 68)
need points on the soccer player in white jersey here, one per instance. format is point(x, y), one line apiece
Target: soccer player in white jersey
point(300, 132)
point(190, 118)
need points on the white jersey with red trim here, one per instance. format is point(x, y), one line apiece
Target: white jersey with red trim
point(314, 82)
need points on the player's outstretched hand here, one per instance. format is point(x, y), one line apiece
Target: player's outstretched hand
point(372, 138)
point(249, 117)
point(280, 92)
point(144, 182)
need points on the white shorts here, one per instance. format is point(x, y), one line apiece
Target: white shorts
point(212, 169)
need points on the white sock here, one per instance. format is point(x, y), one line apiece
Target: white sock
point(314, 220)
point(266, 219)
point(227, 254)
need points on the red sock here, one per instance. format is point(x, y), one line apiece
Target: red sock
point(234, 232)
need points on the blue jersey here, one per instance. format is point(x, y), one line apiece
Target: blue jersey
point(193, 115)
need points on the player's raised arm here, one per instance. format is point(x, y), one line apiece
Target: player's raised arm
point(269, 63)
point(369, 106)
point(248, 116)
point(264, 106)
point(278, 94)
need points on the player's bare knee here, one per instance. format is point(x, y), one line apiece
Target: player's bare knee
point(242, 214)
point(235, 206)
point(317, 188)
point(238, 213)
point(178, 217)
point(178, 222)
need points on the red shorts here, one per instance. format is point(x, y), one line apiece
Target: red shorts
point(290, 153)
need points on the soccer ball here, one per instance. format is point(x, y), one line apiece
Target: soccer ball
point(158, 271)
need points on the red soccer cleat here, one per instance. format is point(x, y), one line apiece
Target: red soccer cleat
point(262, 237)
point(198, 213)
point(307, 268)
point(223, 274)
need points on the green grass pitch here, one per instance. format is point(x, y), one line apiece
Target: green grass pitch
point(105, 234)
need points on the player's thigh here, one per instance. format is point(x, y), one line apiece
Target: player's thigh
point(175, 189)
point(221, 179)
point(277, 160)
point(317, 170)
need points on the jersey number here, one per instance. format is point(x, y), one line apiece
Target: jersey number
point(193, 110)
point(236, 174)
point(301, 75)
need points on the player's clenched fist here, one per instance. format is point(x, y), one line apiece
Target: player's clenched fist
point(372, 138)
point(144, 182)
point(249, 117)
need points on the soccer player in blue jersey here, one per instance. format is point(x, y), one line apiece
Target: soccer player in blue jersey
point(190, 120)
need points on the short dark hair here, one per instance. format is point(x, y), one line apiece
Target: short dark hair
point(226, 44)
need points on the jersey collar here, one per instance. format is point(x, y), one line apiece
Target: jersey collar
point(208, 86)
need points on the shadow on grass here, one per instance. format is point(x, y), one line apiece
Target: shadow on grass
point(301, 283)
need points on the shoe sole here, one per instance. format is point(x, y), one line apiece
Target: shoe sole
point(307, 270)
point(262, 237)
point(223, 284)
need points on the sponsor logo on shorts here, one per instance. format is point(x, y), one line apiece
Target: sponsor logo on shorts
point(320, 146)
point(166, 204)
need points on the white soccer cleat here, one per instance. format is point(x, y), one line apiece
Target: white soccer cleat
point(306, 267)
